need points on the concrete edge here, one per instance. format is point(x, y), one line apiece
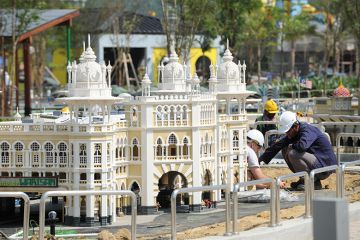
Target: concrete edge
point(296, 229)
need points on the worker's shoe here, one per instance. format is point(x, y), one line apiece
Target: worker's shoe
point(317, 185)
point(298, 184)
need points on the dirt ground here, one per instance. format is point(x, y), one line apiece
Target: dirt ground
point(352, 188)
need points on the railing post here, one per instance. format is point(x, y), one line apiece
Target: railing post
point(235, 211)
point(228, 207)
point(173, 214)
point(87, 192)
point(277, 201)
point(235, 202)
point(312, 178)
point(311, 185)
point(26, 218)
point(307, 196)
point(273, 201)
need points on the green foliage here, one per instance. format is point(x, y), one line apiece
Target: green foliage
point(231, 15)
point(185, 18)
point(296, 26)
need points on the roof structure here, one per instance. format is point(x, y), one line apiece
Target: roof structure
point(143, 24)
point(47, 18)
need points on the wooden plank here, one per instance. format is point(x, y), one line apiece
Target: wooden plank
point(43, 27)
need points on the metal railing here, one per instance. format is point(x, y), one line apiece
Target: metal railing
point(268, 134)
point(312, 179)
point(86, 193)
point(338, 141)
point(252, 183)
point(342, 176)
point(255, 124)
point(307, 193)
point(26, 199)
point(200, 189)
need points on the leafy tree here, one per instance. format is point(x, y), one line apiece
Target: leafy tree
point(351, 10)
point(231, 17)
point(22, 15)
point(334, 31)
point(183, 19)
point(260, 32)
point(293, 28)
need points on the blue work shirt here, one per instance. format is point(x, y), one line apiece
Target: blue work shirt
point(309, 139)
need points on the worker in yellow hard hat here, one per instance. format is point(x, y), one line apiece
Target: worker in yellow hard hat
point(270, 111)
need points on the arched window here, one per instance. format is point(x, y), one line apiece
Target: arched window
point(125, 147)
point(206, 144)
point(97, 153)
point(4, 147)
point(49, 154)
point(184, 112)
point(97, 176)
point(172, 148)
point(159, 147)
point(172, 113)
point(83, 154)
point(203, 69)
point(185, 147)
point(62, 175)
point(178, 113)
point(83, 177)
point(19, 147)
point(159, 113)
point(236, 139)
point(35, 154)
point(135, 149)
point(166, 113)
point(134, 114)
point(62, 147)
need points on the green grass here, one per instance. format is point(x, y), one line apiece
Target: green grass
point(57, 232)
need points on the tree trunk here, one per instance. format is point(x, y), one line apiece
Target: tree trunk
point(358, 72)
point(251, 57)
point(292, 61)
point(281, 56)
point(3, 82)
point(259, 62)
point(14, 46)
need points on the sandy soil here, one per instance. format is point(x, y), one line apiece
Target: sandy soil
point(352, 188)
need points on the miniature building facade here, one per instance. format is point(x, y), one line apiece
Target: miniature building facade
point(150, 144)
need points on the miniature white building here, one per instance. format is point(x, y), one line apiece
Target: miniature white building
point(150, 144)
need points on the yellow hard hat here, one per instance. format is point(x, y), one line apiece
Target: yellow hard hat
point(65, 110)
point(271, 106)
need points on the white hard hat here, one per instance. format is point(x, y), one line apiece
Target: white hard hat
point(256, 135)
point(287, 119)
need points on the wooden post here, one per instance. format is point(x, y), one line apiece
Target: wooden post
point(17, 76)
point(27, 71)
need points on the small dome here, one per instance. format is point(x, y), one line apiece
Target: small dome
point(341, 91)
point(89, 66)
point(174, 71)
point(228, 70)
point(17, 115)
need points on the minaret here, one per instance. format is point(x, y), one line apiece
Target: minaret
point(212, 80)
point(17, 115)
point(145, 85)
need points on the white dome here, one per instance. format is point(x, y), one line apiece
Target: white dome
point(94, 70)
point(88, 65)
point(228, 70)
point(89, 78)
point(174, 71)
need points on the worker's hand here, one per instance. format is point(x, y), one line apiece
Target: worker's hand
point(282, 185)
